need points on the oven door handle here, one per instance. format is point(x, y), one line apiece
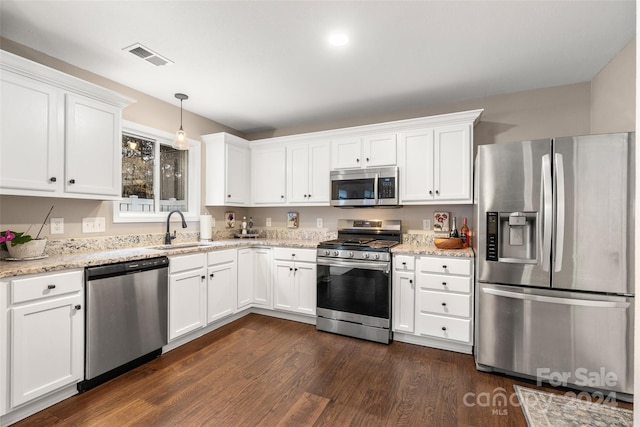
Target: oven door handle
point(365, 265)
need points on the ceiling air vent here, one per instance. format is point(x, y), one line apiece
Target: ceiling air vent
point(148, 55)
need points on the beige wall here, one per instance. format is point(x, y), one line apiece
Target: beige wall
point(557, 111)
point(613, 94)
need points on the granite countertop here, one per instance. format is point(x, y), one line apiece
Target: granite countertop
point(430, 249)
point(88, 259)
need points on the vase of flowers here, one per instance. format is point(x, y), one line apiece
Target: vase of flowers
point(20, 245)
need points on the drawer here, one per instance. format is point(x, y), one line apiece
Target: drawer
point(444, 327)
point(443, 283)
point(222, 257)
point(404, 263)
point(294, 254)
point(44, 286)
point(462, 266)
point(187, 262)
point(443, 303)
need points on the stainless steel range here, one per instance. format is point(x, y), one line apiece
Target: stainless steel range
point(354, 279)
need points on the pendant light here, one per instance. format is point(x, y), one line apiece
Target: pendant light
point(181, 142)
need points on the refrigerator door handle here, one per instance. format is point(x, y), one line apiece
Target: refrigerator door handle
point(556, 300)
point(560, 211)
point(547, 201)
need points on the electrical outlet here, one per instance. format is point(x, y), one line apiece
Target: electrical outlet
point(268, 222)
point(56, 226)
point(93, 225)
point(213, 223)
point(426, 224)
point(319, 222)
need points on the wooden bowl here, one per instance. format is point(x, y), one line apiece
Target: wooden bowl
point(448, 243)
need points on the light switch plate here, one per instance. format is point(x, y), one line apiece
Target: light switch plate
point(93, 225)
point(56, 226)
point(319, 222)
point(268, 222)
point(426, 224)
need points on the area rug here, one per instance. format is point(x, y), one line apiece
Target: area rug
point(542, 409)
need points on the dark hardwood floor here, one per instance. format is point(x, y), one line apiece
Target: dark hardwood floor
point(263, 371)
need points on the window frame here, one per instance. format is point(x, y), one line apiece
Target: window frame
point(193, 180)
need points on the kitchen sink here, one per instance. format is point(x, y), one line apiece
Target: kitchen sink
point(186, 245)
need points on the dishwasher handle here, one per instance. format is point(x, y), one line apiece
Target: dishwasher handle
point(127, 267)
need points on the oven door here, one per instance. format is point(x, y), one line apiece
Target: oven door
point(355, 291)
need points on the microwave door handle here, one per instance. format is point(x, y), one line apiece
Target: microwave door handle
point(375, 188)
point(547, 202)
point(560, 212)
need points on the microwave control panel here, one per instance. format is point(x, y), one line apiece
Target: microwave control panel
point(386, 188)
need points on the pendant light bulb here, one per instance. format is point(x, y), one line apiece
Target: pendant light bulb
point(181, 142)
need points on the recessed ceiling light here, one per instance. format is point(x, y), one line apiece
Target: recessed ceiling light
point(338, 39)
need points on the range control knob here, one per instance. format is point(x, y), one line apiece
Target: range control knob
point(377, 256)
point(336, 253)
point(351, 254)
point(327, 251)
point(366, 255)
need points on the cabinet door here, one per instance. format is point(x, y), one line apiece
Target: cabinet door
point(245, 277)
point(305, 286)
point(262, 277)
point(187, 302)
point(238, 167)
point(298, 173)
point(284, 286)
point(319, 168)
point(379, 150)
point(30, 135)
point(47, 347)
point(221, 291)
point(269, 175)
point(415, 159)
point(403, 301)
point(452, 166)
point(93, 160)
point(346, 153)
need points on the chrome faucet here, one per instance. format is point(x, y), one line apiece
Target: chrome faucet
point(168, 237)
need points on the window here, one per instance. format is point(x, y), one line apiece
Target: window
point(156, 177)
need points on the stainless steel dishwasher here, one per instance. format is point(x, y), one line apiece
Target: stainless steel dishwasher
point(126, 317)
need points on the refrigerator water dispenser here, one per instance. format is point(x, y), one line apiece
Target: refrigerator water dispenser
point(511, 237)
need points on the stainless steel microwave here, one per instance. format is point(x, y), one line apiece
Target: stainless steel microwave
point(364, 187)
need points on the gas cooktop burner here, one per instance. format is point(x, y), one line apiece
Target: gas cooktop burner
point(361, 245)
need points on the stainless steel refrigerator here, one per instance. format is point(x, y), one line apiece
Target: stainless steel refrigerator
point(554, 239)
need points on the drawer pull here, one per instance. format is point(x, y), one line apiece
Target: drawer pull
point(78, 307)
point(51, 286)
point(444, 328)
point(444, 304)
point(444, 267)
point(404, 263)
point(444, 283)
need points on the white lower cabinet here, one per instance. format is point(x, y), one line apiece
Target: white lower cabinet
point(254, 278)
point(222, 283)
point(438, 310)
point(187, 294)
point(43, 340)
point(295, 280)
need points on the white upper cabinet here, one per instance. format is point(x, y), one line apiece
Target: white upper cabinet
point(308, 166)
point(228, 170)
point(362, 152)
point(66, 130)
point(269, 175)
point(435, 164)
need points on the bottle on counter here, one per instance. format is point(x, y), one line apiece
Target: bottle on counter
point(250, 225)
point(454, 228)
point(244, 225)
point(464, 234)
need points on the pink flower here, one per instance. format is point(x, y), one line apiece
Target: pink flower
point(8, 236)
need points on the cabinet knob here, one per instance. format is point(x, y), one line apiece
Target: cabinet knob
point(282, 196)
point(430, 193)
point(211, 275)
point(293, 254)
point(203, 277)
point(53, 179)
point(411, 281)
point(367, 159)
point(309, 195)
point(228, 195)
point(290, 268)
point(444, 283)
point(444, 328)
point(357, 160)
point(295, 269)
point(78, 307)
point(51, 286)
point(72, 181)
point(437, 192)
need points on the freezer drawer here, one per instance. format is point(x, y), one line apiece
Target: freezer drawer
point(584, 340)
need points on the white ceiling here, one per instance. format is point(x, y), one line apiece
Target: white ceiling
point(255, 65)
